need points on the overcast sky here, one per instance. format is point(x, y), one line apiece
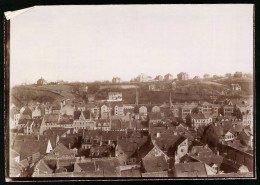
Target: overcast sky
point(88, 43)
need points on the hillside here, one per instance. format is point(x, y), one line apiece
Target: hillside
point(188, 90)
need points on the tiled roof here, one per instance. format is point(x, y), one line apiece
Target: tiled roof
point(191, 169)
point(198, 116)
point(43, 167)
point(51, 118)
point(155, 116)
point(131, 173)
point(30, 147)
point(85, 113)
point(154, 164)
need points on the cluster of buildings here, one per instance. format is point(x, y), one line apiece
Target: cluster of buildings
point(114, 139)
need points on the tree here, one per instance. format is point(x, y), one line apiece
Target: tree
point(195, 110)
point(221, 111)
point(239, 114)
point(188, 120)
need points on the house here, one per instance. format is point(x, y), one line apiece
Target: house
point(154, 164)
point(183, 76)
point(115, 96)
point(67, 110)
point(142, 78)
point(155, 117)
point(119, 110)
point(248, 120)
point(196, 78)
point(158, 78)
point(143, 111)
point(238, 75)
point(235, 87)
point(186, 109)
point(171, 146)
point(228, 75)
point(155, 108)
point(14, 117)
point(60, 152)
point(228, 110)
point(31, 151)
point(208, 109)
point(168, 77)
point(199, 120)
point(129, 149)
point(82, 120)
point(246, 137)
point(105, 167)
point(49, 121)
point(116, 80)
point(41, 81)
point(190, 169)
point(105, 111)
point(103, 124)
point(37, 112)
point(218, 133)
point(91, 98)
point(206, 76)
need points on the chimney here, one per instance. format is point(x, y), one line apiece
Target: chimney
point(158, 134)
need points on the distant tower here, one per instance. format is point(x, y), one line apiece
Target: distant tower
point(136, 100)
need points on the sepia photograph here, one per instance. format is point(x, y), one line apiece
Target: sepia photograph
point(162, 91)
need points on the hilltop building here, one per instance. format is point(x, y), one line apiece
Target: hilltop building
point(41, 81)
point(116, 80)
point(183, 76)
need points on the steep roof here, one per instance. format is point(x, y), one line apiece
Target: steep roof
point(191, 169)
point(29, 147)
point(85, 113)
point(154, 164)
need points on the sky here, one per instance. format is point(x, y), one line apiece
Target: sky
point(99, 42)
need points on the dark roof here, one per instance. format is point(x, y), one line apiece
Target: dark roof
point(51, 118)
point(198, 116)
point(30, 147)
point(191, 169)
point(85, 113)
point(155, 116)
point(154, 164)
point(131, 173)
point(167, 142)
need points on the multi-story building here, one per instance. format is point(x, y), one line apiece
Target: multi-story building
point(158, 78)
point(208, 109)
point(116, 80)
point(115, 96)
point(238, 75)
point(119, 110)
point(199, 120)
point(168, 77)
point(105, 111)
point(206, 76)
point(248, 120)
point(235, 87)
point(183, 76)
point(228, 109)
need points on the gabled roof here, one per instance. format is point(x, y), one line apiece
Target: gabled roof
point(85, 113)
point(154, 164)
point(30, 147)
point(43, 167)
point(168, 142)
point(62, 150)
